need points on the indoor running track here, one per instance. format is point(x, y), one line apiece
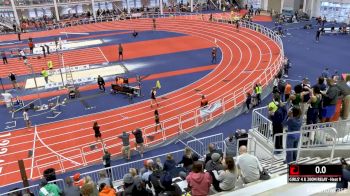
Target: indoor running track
point(66, 144)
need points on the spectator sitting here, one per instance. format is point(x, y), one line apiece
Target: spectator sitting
point(128, 186)
point(104, 179)
point(88, 180)
point(231, 146)
point(87, 190)
point(145, 176)
point(169, 163)
point(345, 93)
point(212, 149)
point(105, 190)
point(144, 169)
point(214, 163)
point(168, 187)
point(159, 163)
point(77, 181)
point(49, 189)
point(198, 181)
point(188, 158)
point(70, 189)
point(154, 179)
point(248, 165)
point(227, 178)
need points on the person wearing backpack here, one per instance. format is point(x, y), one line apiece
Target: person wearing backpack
point(278, 117)
point(49, 189)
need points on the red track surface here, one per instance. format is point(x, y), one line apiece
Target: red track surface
point(246, 54)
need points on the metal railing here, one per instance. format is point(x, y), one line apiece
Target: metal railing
point(118, 171)
point(261, 123)
point(200, 145)
point(183, 122)
point(35, 189)
point(304, 137)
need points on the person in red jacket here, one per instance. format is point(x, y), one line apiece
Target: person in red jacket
point(198, 181)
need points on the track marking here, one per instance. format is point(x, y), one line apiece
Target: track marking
point(103, 54)
point(33, 155)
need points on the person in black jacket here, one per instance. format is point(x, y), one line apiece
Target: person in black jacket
point(188, 158)
point(154, 179)
point(139, 140)
point(107, 162)
point(101, 83)
point(278, 117)
point(212, 149)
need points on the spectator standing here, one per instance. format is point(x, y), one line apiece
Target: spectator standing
point(213, 55)
point(248, 101)
point(120, 52)
point(107, 162)
point(294, 124)
point(49, 189)
point(287, 91)
point(227, 178)
point(149, 171)
point(231, 146)
point(199, 181)
point(101, 83)
point(128, 186)
point(325, 73)
point(188, 158)
point(77, 181)
point(12, 77)
point(4, 57)
point(248, 165)
point(126, 145)
point(315, 106)
point(278, 117)
point(88, 181)
point(345, 93)
point(320, 83)
point(26, 117)
point(344, 183)
point(70, 189)
point(139, 140)
point(330, 99)
point(212, 149)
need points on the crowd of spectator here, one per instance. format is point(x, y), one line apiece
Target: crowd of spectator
point(307, 104)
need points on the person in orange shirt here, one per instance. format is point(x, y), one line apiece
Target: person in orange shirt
point(106, 190)
point(287, 91)
point(204, 101)
point(31, 45)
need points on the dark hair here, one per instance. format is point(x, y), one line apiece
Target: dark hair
point(296, 111)
point(317, 89)
point(95, 124)
point(321, 80)
point(298, 89)
point(102, 186)
point(230, 163)
point(156, 112)
point(197, 167)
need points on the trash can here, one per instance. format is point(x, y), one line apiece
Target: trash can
point(50, 174)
